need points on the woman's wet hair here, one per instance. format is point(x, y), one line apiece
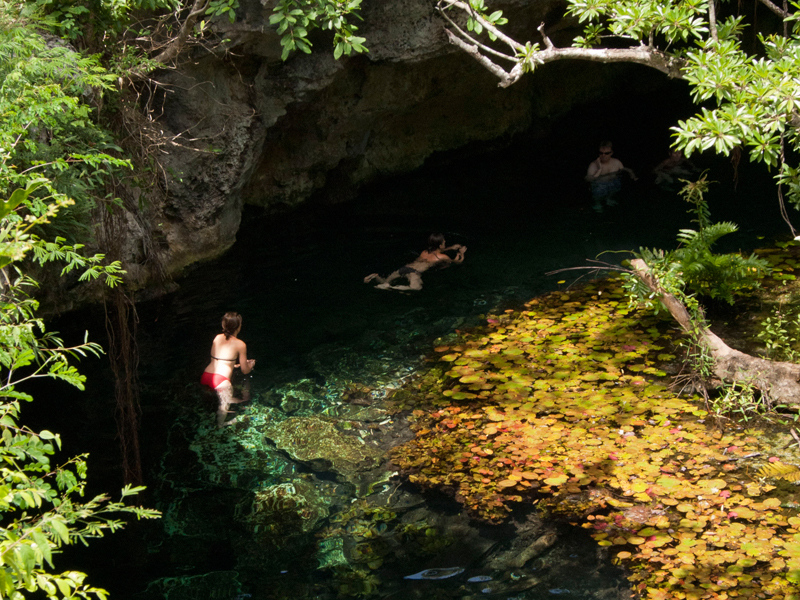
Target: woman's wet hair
point(231, 322)
point(434, 241)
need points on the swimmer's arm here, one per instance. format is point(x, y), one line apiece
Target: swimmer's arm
point(593, 172)
point(245, 363)
point(460, 256)
point(630, 172)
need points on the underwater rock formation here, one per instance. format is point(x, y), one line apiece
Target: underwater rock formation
point(281, 518)
point(317, 441)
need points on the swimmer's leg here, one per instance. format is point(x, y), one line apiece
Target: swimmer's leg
point(414, 284)
point(225, 396)
point(392, 277)
point(385, 282)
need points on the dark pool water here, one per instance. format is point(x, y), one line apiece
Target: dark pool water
point(321, 338)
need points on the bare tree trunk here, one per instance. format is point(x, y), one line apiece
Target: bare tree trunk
point(780, 380)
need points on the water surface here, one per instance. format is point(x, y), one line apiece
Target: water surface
point(328, 345)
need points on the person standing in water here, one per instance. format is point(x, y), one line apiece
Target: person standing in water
point(604, 176)
point(227, 353)
point(434, 256)
point(672, 168)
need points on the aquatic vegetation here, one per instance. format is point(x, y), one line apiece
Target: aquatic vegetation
point(562, 404)
point(783, 260)
point(282, 511)
point(778, 333)
point(365, 536)
point(741, 400)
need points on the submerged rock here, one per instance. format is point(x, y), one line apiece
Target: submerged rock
point(282, 512)
point(542, 543)
point(318, 442)
point(435, 574)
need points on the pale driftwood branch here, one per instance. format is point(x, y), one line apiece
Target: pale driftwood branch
point(474, 42)
point(780, 380)
point(506, 78)
point(547, 43)
point(512, 43)
point(775, 8)
point(642, 55)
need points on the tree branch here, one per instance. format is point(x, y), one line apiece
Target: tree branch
point(642, 55)
point(176, 45)
point(780, 380)
point(547, 43)
point(512, 43)
point(712, 20)
point(775, 8)
point(506, 78)
point(527, 56)
point(473, 41)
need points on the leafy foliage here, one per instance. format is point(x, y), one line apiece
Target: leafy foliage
point(778, 333)
point(693, 268)
point(75, 20)
point(297, 18)
point(495, 18)
point(747, 93)
point(41, 505)
point(50, 145)
point(51, 154)
point(40, 501)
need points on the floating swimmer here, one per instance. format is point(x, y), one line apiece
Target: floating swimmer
point(677, 166)
point(434, 256)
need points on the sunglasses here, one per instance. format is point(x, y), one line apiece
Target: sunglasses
point(606, 152)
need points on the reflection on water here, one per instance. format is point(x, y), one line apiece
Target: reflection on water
point(297, 500)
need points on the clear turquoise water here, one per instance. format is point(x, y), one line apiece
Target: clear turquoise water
point(242, 518)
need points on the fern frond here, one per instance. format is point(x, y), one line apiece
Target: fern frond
point(790, 473)
point(687, 236)
point(715, 231)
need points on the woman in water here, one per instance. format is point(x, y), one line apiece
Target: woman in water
point(227, 353)
point(434, 256)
